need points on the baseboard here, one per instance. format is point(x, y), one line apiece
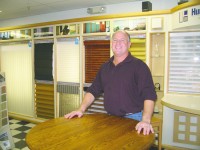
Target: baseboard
point(26, 118)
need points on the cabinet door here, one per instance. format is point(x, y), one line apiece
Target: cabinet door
point(157, 65)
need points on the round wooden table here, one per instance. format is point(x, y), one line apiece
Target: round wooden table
point(90, 132)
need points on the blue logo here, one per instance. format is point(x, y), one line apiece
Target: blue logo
point(183, 16)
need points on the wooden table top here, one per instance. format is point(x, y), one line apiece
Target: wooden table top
point(92, 131)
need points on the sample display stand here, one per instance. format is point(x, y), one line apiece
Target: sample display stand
point(6, 141)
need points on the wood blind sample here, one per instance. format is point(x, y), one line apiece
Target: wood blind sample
point(44, 100)
point(97, 52)
point(43, 61)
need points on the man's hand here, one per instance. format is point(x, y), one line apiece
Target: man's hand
point(87, 101)
point(74, 113)
point(145, 126)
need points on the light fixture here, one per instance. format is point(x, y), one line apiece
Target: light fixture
point(96, 10)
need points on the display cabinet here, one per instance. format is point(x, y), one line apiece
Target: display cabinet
point(91, 41)
point(157, 60)
point(96, 27)
point(43, 31)
point(16, 34)
point(67, 29)
point(134, 24)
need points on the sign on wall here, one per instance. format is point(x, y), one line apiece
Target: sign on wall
point(187, 18)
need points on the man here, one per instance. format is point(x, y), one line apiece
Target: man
point(127, 86)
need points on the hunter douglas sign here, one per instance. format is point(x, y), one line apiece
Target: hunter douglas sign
point(187, 18)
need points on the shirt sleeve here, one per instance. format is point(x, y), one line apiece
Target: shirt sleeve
point(96, 88)
point(145, 83)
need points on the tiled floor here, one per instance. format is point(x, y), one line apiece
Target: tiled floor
point(18, 130)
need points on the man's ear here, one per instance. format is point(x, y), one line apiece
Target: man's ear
point(130, 44)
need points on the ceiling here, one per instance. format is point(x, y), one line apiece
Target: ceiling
point(22, 8)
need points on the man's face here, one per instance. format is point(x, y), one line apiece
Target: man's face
point(120, 44)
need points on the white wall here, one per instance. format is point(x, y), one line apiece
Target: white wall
point(79, 13)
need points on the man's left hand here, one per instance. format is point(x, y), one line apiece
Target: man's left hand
point(145, 126)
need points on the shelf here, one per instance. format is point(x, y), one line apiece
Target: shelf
point(43, 38)
point(15, 40)
point(97, 34)
point(67, 36)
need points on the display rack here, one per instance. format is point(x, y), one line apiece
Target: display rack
point(6, 141)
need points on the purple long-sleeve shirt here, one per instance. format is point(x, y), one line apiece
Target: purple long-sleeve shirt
point(125, 86)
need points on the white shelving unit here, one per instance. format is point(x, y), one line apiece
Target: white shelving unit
point(78, 32)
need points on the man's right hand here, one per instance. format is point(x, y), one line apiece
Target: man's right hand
point(72, 114)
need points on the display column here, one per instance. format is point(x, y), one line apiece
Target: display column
point(6, 141)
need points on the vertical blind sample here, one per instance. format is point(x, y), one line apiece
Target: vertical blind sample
point(97, 52)
point(67, 60)
point(43, 61)
point(184, 62)
point(138, 48)
point(16, 62)
point(72, 88)
point(44, 100)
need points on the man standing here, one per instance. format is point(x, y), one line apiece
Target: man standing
point(127, 86)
